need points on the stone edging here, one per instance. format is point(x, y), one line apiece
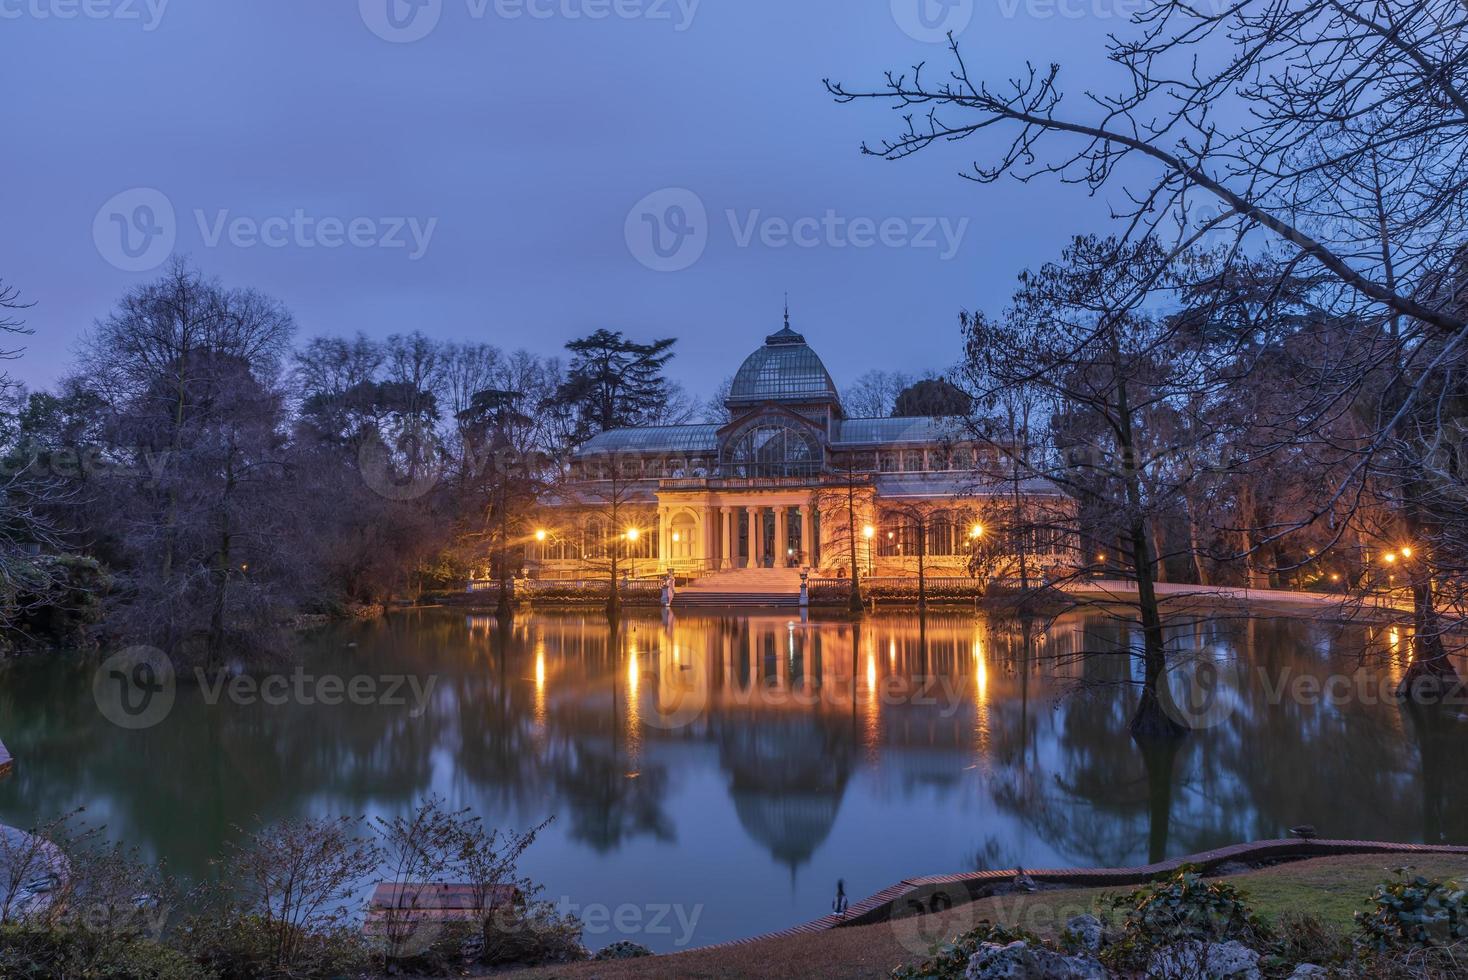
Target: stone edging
point(980, 884)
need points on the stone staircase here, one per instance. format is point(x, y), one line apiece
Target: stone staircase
point(741, 588)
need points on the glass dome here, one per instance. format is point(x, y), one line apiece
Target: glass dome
point(784, 369)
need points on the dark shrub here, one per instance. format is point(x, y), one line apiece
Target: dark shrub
point(34, 953)
point(1415, 912)
point(530, 935)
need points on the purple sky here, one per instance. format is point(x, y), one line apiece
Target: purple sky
point(521, 147)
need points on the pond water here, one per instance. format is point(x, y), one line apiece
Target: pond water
point(720, 774)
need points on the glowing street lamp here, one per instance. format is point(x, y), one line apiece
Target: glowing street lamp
point(633, 534)
point(976, 532)
point(1406, 552)
point(869, 532)
point(1390, 558)
point(540, 535)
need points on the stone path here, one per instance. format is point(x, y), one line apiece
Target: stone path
point(1123, 591)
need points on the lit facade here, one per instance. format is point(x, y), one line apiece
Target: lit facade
point(790, 482)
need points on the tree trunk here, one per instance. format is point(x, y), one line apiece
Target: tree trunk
point(504, 608)
point(614, 596)
point(222, 560)
point(854, 599)
point(922, 536)
point(1431, 674)
point(1152, 719)
point(1193, 545)
point(1157, 549)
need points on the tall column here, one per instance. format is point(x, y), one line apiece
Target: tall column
point(726, 528)
point(807, 552)
point(756, 536)
point(782, 537)
point(710, 537)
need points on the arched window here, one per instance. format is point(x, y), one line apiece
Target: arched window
point(772, 449)
point(683, 531)
point(943, 533)
point(596, 533)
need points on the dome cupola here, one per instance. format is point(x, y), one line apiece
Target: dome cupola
point(784, 370)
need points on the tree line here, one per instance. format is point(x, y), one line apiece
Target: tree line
point(201, 478)
point(1264, 362)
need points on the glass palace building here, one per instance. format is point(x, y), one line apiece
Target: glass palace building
point(791, 482)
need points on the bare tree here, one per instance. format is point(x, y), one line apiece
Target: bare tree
point(296, 879)
point(613, 509)
point(845, 507)
point(186, 374)
point(874, 394)
point(1333, 130)
point(1077, 338)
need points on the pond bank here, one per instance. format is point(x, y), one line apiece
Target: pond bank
point(957, 889)
point(1176, 598)
point(1332, 888)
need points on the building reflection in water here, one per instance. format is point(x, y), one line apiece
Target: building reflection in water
point(681, 751)
point(1014, 713)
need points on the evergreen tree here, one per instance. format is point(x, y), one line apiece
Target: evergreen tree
point(614, 382)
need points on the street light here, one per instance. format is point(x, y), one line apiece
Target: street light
point(1406, 552)
point(540, 535)
point(977, 532)
point(633, 534)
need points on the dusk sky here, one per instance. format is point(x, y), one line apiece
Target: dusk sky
point(520, 152)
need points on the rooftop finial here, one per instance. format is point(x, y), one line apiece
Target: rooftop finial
point(787, 309)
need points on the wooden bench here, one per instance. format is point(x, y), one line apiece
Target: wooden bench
point(405, 905)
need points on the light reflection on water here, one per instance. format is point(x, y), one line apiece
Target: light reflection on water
point(744, 764)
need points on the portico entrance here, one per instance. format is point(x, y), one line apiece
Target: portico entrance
point(722, 532)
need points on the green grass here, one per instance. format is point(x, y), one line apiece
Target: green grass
point(1330, 889)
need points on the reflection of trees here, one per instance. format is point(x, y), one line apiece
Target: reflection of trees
point(1327, 764)
point(543, 718)
point(1274, 761)
point(605, 804)
point(583, 759)
point(1440, 742)
point(179, 787)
